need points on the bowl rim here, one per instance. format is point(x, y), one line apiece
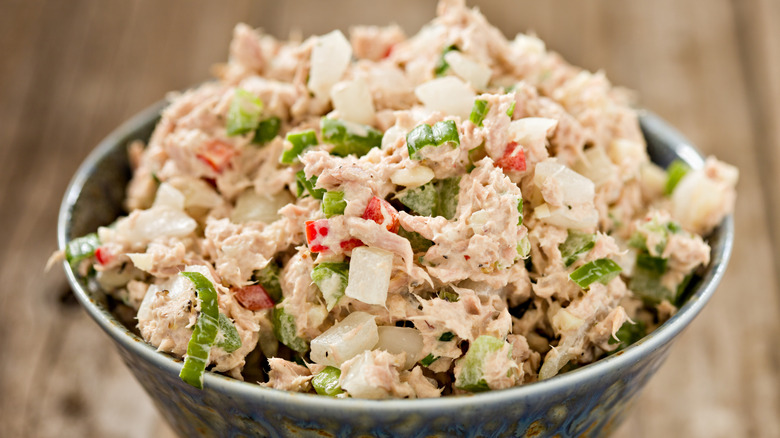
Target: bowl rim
point(663, 335)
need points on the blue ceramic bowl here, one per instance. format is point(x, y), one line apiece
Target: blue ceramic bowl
point(589, 401)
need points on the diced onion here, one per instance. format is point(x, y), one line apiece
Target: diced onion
point(142, 261)
point(696, 200)
point(352, 99)
point(563, 321)
point(155, 222)
point(329, 59)
point(197, 193)
point(397, 340)
point(574, 188)
point(253, 206)
point(168, 196)
point(531, 130)
point(369, 275)
point(449, 95)
point(595, 165)
point(473, 72)
point(414, 176)
point(353, 335)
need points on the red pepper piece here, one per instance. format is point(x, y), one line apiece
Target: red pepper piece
point(103, 256)
point(381, 212)
point(513, 158)
point(254, 297)
point(315, 233)
point(349, 245)
point(217, 154)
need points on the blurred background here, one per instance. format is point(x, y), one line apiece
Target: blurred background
point(71, 71)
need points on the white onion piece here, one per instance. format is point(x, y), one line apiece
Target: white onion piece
point(448, 95)
point(595, 165)
point(413, 176)
point(531, 130)
point(653, 179)
point(574, 188)
point(397, 340)
point(153, 223)
point(369, 275)
point(697, 200)
point(330, 57)
point(353, 335)
point(168, 196)
point(197, 193)
point(353, 101)
point(253, 206)
point(475, 73)
point(580, 217)
point(142, 261)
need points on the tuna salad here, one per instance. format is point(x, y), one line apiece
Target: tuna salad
point(382, 216)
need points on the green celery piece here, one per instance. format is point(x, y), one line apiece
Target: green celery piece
point(576, 244)
point(268, 277)
point(81, 248)
point(441, 65)
point(244, 113)
point(524, 247)
point(680, 294)
point(267, 130)
point(326, 382)
point(285, 331)
point(300, 141)
point(418, 242)
point(445, 132)
point(204, 333)
point(418, 138)
point(331, 278)
point(479, 111)
point(448, 196)
point(601, 270)
point(520, 211)
point(446, 336)
point(304, 185)
point(436, 198)
point(333, 203)
point(345, 141)
point(628, 334)
point(675, 172)
point(511, 110)
point(638, 240)
point(471, 377)
point(428, 360)
point(475, 155)
point(651, 263)
point(231, 341)
point(450, 296)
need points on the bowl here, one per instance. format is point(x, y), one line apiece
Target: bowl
point(591, 400)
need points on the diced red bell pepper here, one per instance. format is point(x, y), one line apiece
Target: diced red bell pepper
point(254, 297)
point(103, 256)
point(381, 212)
point(513, 158)
point(349, 245)
point(217, 154)
point(315, 234)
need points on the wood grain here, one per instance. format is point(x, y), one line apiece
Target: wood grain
point(72, 71)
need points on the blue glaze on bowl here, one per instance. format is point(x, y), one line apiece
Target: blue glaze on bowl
point(589, 401)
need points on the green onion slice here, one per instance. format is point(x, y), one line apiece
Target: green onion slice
point(326, 382)
point(674, 173)
point(300, 141)
point(267, 130)
point(576, 244)
point(349, 138)
point(331, 278)
point(479, 111)
point(305, 186)
point(444, 132)
point(204, 333)
point(244, 113)
point(81, 248)
point(446, 336)
point(436, 198)
point(428, 360)
point(601, 270)
point(333, 203)
point(511, 110)
point(441, 65)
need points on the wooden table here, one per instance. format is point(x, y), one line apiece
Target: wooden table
point(70, 71)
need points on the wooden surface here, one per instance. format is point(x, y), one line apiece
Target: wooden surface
point(70, 71)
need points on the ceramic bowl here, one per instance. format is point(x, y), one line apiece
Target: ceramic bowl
point(589, 401)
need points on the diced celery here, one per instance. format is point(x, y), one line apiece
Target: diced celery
point(675, 172)
point(520, 211)
point(471, 377)
point(448, 196)
point(349, 137)
point(244, 113)
point(326, 382)
point(203, 333)
point(478, 112)
point(601, 270)
point(448, 295)
point(333, 203)
point(300, 141)
point(268, 277)
point(81, 248)
point(231, 341)
point(331, 278)
point(285, 330)
point(628, 334)
point(416, 240)
point(436, 198)
point(304, 186)
point(576, 244)
point(267, 130)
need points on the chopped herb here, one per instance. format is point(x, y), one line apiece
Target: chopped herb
point(479, 111)
point(348, 137)
point(576, 244)
point(446, 336)
point(300, 141)
point(267, 130)
point(244, 113)
point(428, 360)
point(333, 203)
point(441, 65)
point(601, 270)
point(306, 186)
